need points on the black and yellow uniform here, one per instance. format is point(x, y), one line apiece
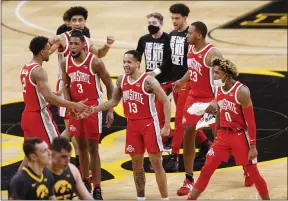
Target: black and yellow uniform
point(27, 185)
point(65, 185)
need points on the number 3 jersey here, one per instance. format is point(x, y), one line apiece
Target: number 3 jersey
point(231, 114)
point(201, 76)
point(84, 84)
point(137, 103)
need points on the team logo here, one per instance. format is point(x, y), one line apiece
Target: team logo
point(42, 191)
point(130, 148)
point(62, 186)
point(72, 128)
point(210, 152)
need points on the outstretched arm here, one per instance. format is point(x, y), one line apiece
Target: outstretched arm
point(153, 86)
point(102, 51)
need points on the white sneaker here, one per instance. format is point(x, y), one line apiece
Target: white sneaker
point(206, 120)
point(198, 108)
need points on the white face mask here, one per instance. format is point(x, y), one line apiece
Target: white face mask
point(219, 82)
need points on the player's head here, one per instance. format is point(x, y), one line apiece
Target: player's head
point(66, 18)
point(77, 17)
point(40, 47)
point(77, 42)
point(179, 13)
point(61, 151)
point(223, 69)
point(37, 151)
point(197, 31)
point(155, 22)
point(131, 61)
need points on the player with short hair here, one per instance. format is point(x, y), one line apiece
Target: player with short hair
point(235, 127)
point(34, 181)
point(67, 178)
point(138, 92)
point(82, 72)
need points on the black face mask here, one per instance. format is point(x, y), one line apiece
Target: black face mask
point(153, 29)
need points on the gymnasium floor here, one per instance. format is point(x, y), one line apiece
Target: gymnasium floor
point(258, 48)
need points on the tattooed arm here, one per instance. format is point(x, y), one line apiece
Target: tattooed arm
point(140, 180)
point(153, 86)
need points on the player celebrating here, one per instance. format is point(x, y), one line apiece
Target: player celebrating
point(81, 72)
point(37, 94)
point(138, 91)
point(235, 127)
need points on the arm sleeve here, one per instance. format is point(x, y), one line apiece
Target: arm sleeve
point(16, 190)
point(251, 125)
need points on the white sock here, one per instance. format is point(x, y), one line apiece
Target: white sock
point(141, 198)
point(164, 198)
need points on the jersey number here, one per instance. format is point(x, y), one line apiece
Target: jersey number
point(80, 88)
point(132, 107)
point(193, 75)
point(24, 84)
point(228, 117)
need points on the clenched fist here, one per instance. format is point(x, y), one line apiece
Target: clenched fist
point(110, 40)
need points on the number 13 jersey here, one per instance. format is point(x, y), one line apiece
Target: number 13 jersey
point(137, 103)
point(84, 84)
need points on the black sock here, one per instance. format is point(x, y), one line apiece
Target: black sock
point(77, 163)
point(189, 176)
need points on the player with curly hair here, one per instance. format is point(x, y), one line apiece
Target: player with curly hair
point(235, 127)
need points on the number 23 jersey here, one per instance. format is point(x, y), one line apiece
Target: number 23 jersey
point(84, 84)
point(137, 103)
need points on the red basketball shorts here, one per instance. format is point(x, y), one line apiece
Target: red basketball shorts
point(188, 119)
point(39, 124)
point(143, 134)
point(90, 127)
point(62, 111)
point(231, 142)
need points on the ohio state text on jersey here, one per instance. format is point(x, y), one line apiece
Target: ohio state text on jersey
point(137, 103)
point(84, 83)
point(231, 114)
point(201, 76)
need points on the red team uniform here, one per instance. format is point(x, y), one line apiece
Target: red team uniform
point(84, 84)
point(232, 137)
point(36, 118)
point(62, 111)
point(143, 129)
point(201, 82)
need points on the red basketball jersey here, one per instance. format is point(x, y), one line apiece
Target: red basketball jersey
point(33, 99)
point(231, 114)
point(83, 82)
point(137, 103)
point(64, 53)
point(201, 76)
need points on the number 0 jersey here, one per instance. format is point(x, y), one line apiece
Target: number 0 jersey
point(231, 114)
point(137, 103)
point(84, 84)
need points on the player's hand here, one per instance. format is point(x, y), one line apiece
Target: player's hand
point(151, 73)
point(59, 92)
point(54, 40)
point(252, 152)
point(165, 131)
point(81, 107)
point(109, 118)
point(176, 86)
point(212, 107)
point(110, 40)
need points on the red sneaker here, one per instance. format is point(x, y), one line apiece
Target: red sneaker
point(186, 188)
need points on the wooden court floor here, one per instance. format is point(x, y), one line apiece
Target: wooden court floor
point(126, 21)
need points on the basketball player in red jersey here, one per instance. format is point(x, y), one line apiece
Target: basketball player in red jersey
point(235, 127)
point(138, 91)
point(81, 72)
point(77, 17)
point(36, 118)
point(201, 91)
